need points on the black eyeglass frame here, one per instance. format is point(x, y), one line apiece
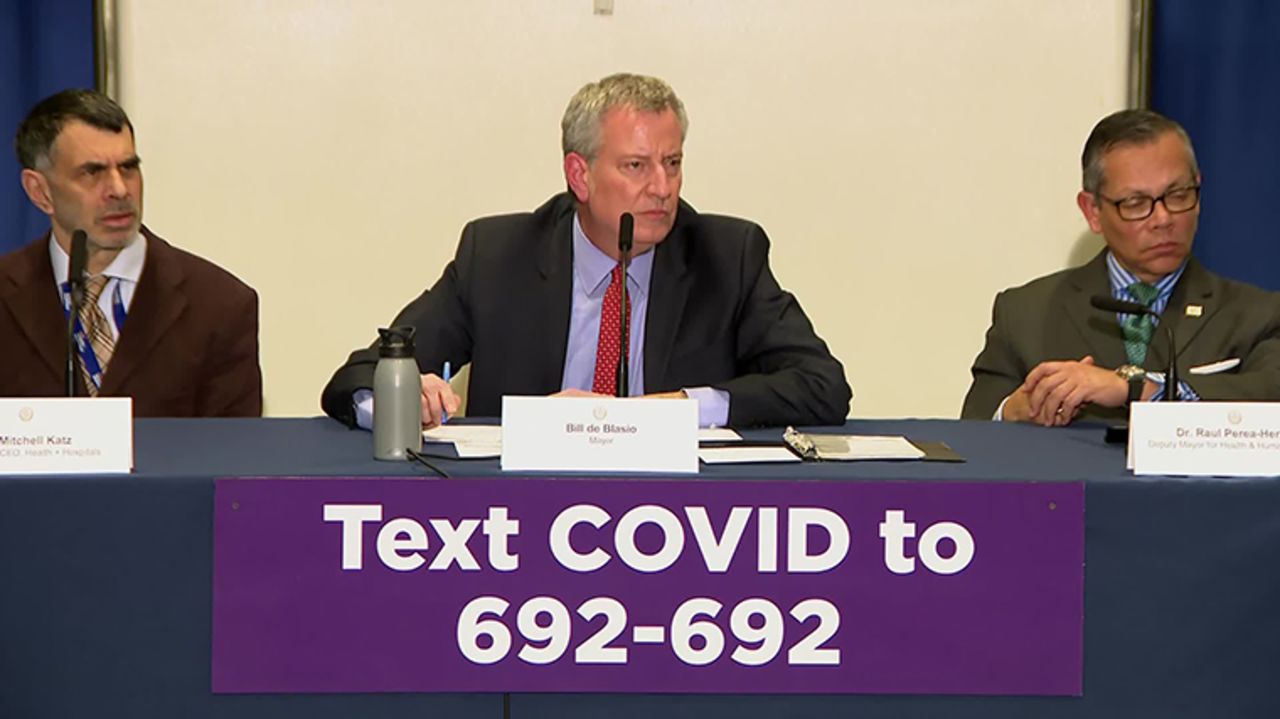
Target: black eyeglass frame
point(1151, 207)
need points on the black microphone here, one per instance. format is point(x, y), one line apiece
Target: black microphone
point(75, 280)
point(1111, 304)
point(626, 230)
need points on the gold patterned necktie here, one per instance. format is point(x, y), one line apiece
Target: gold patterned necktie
point(96, 331)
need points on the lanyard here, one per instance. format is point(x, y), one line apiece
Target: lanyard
point(87, 356)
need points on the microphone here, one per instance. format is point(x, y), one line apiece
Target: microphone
point(75, 280)
point(1111, 304)
point(626, 231)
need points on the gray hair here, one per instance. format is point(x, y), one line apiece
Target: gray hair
point(1127, 127)
point(44, 123)
point(580, 127)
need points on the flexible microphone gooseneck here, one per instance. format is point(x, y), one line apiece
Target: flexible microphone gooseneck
point(1111, 304)
point(75, 279)
point(626, 231)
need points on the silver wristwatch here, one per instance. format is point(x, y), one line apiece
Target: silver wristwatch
point(1136, 377)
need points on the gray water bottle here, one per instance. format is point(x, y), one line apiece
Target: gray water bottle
point(397, 392)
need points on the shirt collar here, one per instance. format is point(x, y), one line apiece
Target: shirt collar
point(1120, 279)
point(126, 266)
point(593, 266)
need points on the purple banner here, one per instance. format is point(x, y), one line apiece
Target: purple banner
point(573, 585)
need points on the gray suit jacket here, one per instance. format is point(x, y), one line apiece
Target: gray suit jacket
point(1051, 319)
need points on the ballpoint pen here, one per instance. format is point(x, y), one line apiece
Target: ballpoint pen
point(444, 413)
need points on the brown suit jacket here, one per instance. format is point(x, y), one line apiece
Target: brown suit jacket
point(189, 347)
point(1051, 319)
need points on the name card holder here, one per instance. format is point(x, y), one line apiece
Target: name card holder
point(63, 435)
point(1224, 439)
point(593, 434)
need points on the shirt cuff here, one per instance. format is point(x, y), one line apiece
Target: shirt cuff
point(999, 415)
point(362, 400)
point(1185, 393)
point(713, 405)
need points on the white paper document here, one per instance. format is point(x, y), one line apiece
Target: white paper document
point(718, 434)
point(853, 447)
point(746, 455)
point(470, 441)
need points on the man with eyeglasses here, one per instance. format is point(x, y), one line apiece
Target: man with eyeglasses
point(1051, 357)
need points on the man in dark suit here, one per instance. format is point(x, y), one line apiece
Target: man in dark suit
point(174, 332)
point(1050, 357)
point(527, 299)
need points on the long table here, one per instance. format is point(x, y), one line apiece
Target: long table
point(106, 582)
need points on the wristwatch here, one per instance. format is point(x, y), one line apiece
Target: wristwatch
point(1136, 377)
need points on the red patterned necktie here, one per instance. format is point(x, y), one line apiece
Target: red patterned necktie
point(606, 377)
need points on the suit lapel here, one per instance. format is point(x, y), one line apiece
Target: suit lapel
point(30, 295)
point(157, 304)
point(555, 267)
point(668, 292)
point(1195, 289)
point(1098, 329)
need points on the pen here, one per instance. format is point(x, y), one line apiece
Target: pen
point(444, 413)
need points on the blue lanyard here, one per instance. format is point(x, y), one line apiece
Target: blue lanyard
point(87, 356)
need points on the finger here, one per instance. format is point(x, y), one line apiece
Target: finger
point(431, 409)
point(1052, 407)
point(452, 402)
point(1042, 390)
point(427, 422)
point(1037, 375)
point(434, 390)
point(1071, 405)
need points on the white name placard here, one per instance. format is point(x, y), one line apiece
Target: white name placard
point(1225, 439)
point(60, 435)
point(593, 434)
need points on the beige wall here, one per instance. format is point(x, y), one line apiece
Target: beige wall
point(908, 158)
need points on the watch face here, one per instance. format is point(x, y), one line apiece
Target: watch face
point(1131, 372)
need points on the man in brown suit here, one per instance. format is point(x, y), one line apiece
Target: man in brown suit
point(173, 331)
point(1050, 357)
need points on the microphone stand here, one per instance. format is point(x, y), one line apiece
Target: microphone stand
point(1171, 374)
point(626, 230)
point(75, 283)
point(624, 383)
point(73, 353)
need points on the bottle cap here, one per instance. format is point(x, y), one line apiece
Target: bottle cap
point(395, 342)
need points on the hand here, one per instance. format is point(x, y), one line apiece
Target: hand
point(678, 394)
point(437, 397)
point(573, 392)
point(1057, 390)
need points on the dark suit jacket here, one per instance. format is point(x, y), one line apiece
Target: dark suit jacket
point(189, 347)
point(1051, 319)
point(716, 318)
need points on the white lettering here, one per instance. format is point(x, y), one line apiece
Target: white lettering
point(624, 538)
point(799, 520)
point(717, 553)
point(402, 535)
point(498, 529)
point(352, 516)
point(563, 525)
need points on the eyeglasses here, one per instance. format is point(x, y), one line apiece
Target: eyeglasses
point(1140, 207)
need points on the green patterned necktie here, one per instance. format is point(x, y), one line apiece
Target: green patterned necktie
point(1138, 328)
